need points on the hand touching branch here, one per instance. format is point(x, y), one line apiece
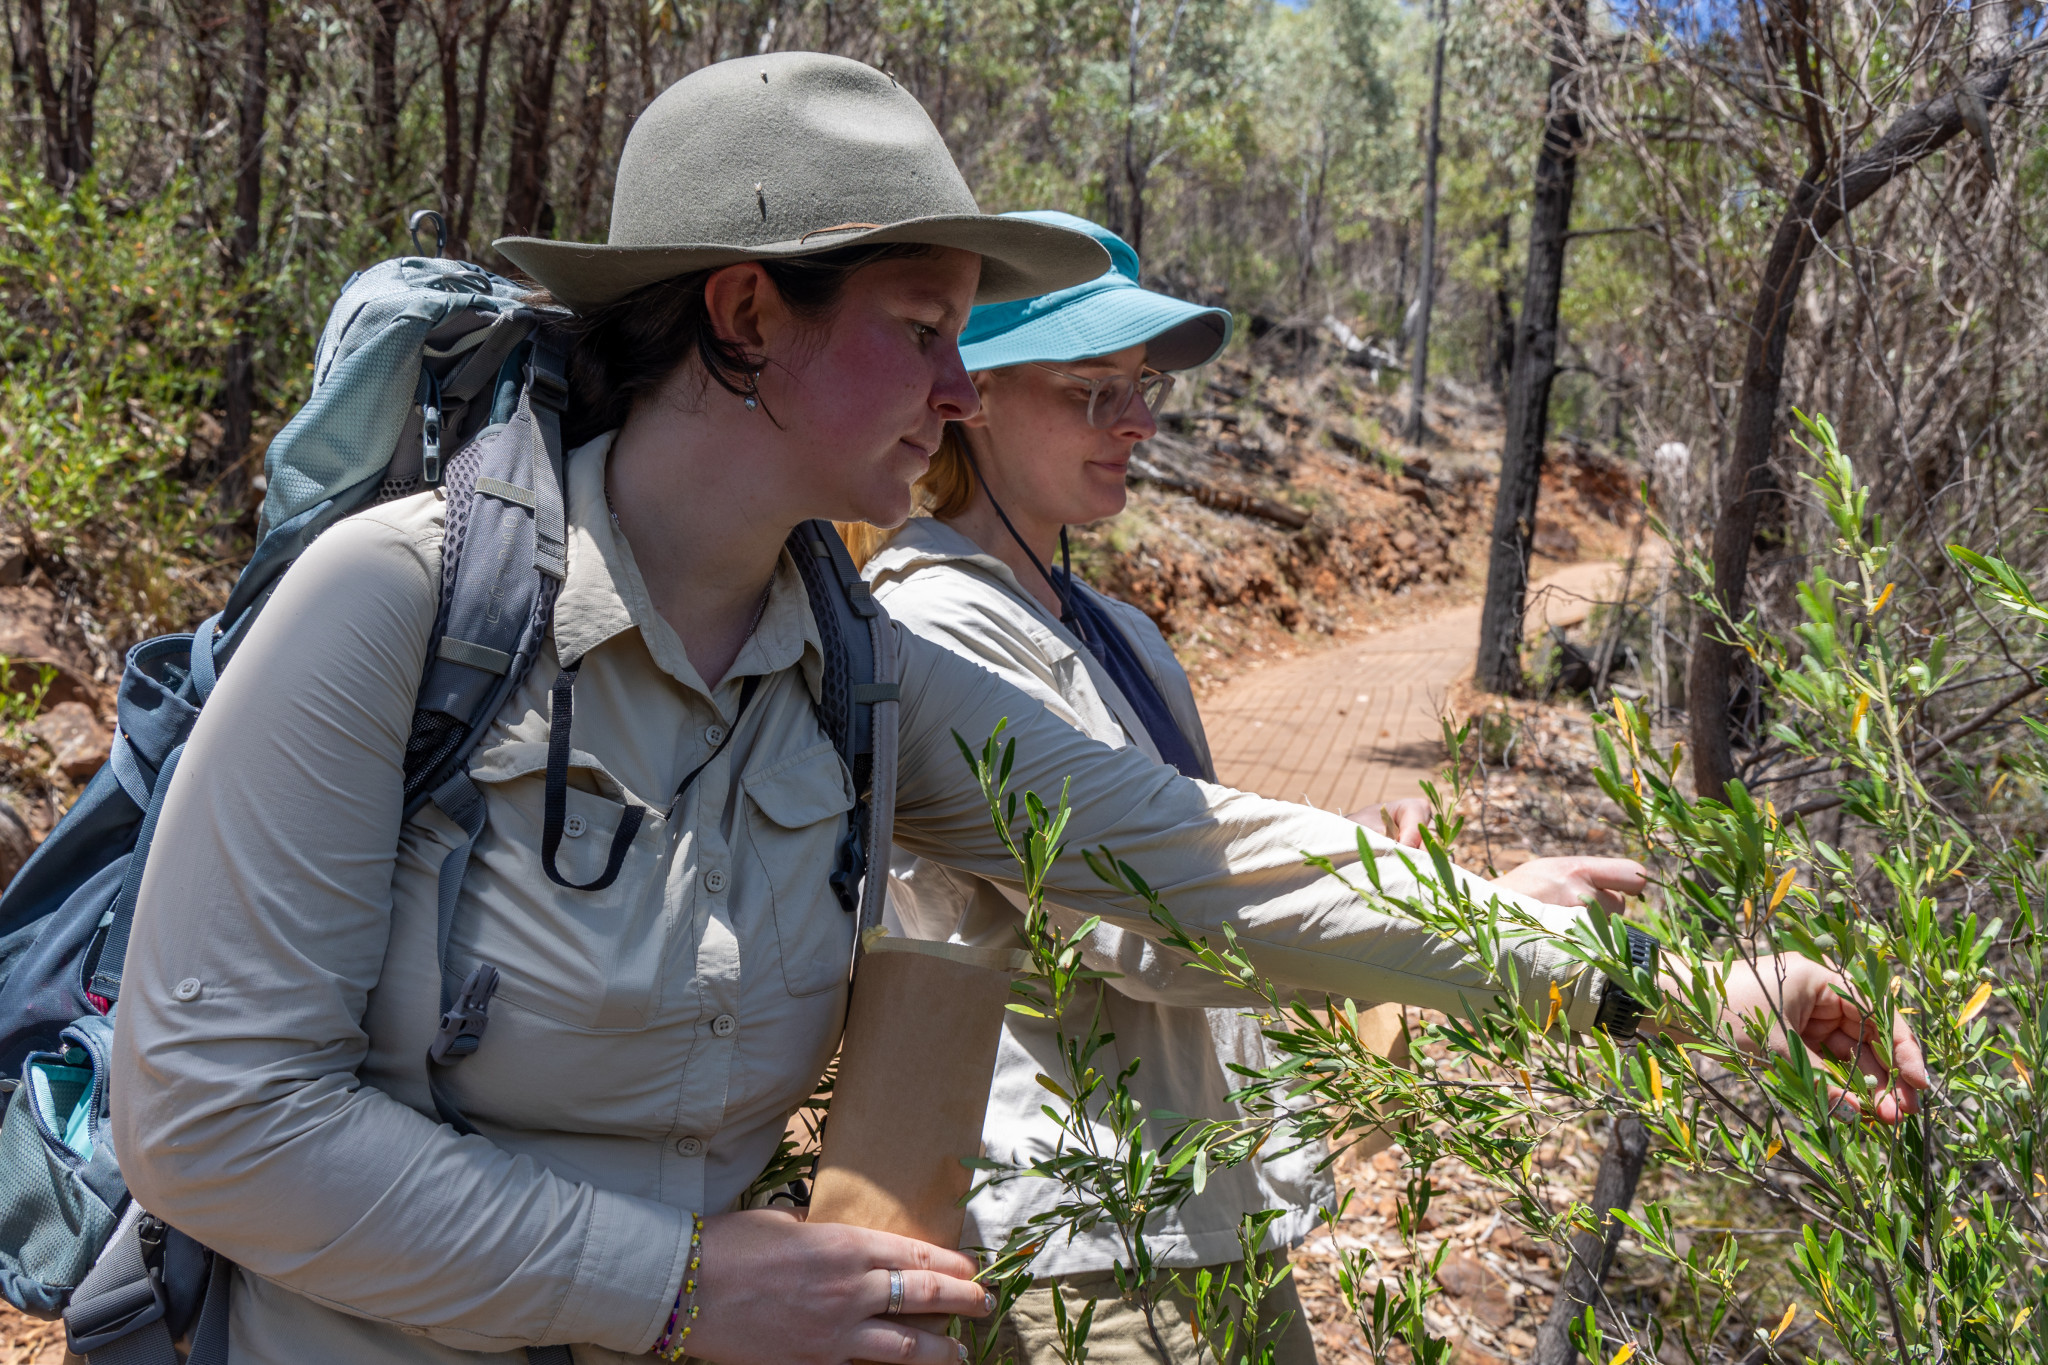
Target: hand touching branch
point(1795, 994)
point(1800, 996)
point(1574, 881)
point(1400, 820)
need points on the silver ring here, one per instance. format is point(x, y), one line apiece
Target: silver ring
point(895, 1292)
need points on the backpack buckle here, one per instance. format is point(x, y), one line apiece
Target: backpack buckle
point(105, 1318)
point(462, 1027)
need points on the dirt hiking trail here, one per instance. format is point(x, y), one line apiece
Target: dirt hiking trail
point(1356, 724)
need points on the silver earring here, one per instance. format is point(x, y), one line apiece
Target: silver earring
point(753, 391)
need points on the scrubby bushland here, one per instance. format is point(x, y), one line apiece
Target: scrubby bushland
point(1920, 1241)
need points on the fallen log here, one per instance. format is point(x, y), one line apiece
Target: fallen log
point(1222, 499)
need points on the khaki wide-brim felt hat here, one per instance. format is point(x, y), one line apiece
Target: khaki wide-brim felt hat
point(790, 154)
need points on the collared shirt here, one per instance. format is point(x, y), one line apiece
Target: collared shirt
point(648, 1041)
point(935, 581)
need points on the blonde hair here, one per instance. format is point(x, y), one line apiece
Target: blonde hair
point(944, 491)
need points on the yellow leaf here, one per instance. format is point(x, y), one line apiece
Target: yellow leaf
point(1975, 1004)
point(2019, 1319)
point(1622, 1356)
point(1791, 1312)
point(1992, 795)
point(2026, 1076)
point(1957, 1226)
point(1771, 814)
point(1882, 598)
point(1748, 909)
point(1862, 706)
point(1784, 885)
point(1556, 1007)
point(1527, 1088)
point(1776, 1147)
point(1635, 776)
point(1628, 729)
point(1656, 1085)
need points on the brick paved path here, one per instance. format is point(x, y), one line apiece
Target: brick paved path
point(1356, 725)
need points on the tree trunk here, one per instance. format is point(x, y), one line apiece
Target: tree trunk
point(1824, 197)
point(68, 102)
point(597, 81)
point(390, 16)
point(242, 244)
point(1135, 172)
point(494, 18)
point(448, 59)
point(1621, 1166)
point(1425, 295)
point(533, 110)
point(1528, 406)
point(1503, 360)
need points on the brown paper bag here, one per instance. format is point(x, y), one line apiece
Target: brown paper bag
point(914, 1074)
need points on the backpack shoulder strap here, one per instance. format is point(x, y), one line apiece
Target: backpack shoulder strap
point(504, 553)
point(857, 704)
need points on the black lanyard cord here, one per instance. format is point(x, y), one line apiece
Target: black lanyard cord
point(1067, 616)
point(555, 798)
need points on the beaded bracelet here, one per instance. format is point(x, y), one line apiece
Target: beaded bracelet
point(670, 1346)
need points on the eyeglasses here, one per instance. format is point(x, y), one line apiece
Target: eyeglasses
point(1109, 398)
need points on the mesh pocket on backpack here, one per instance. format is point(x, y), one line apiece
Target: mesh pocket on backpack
point(52, 1221)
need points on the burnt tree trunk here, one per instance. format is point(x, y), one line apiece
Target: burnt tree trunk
point(533, 109)
point(242, 246)
point(68, 100)
point(1499, 667)
point(1425, 294)
point(597, 80)
point(1826, 195)
point(1503, 359)
point(1621, 1167)
point(447, 28)
point(494, 18)
point(390, 17)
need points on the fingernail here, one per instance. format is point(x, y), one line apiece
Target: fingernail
point(961, 1347)
point(988, 1302)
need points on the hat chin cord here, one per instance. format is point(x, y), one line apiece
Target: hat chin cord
point(1068, 618)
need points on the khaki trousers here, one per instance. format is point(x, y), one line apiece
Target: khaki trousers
point(1119, 1335)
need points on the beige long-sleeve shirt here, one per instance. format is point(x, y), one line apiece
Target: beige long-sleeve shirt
point(936, 582)
point(648, 1041)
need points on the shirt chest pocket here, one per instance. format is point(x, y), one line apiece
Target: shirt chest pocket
point(796, 814)
point(591, 959)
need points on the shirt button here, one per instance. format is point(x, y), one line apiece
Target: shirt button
point(714, 881)
point(574, 827)
point(187, 990)
point(725, 1025)
point(714, 735)
point(690, 1147)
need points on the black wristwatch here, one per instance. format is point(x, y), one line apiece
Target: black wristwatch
point(1619, 1010)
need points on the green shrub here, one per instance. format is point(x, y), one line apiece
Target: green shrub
point(110, 340)
point(1922, 1241)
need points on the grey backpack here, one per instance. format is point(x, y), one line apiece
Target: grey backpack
point(430, 373)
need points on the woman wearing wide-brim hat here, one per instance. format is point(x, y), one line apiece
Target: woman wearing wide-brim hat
point(769, 336)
